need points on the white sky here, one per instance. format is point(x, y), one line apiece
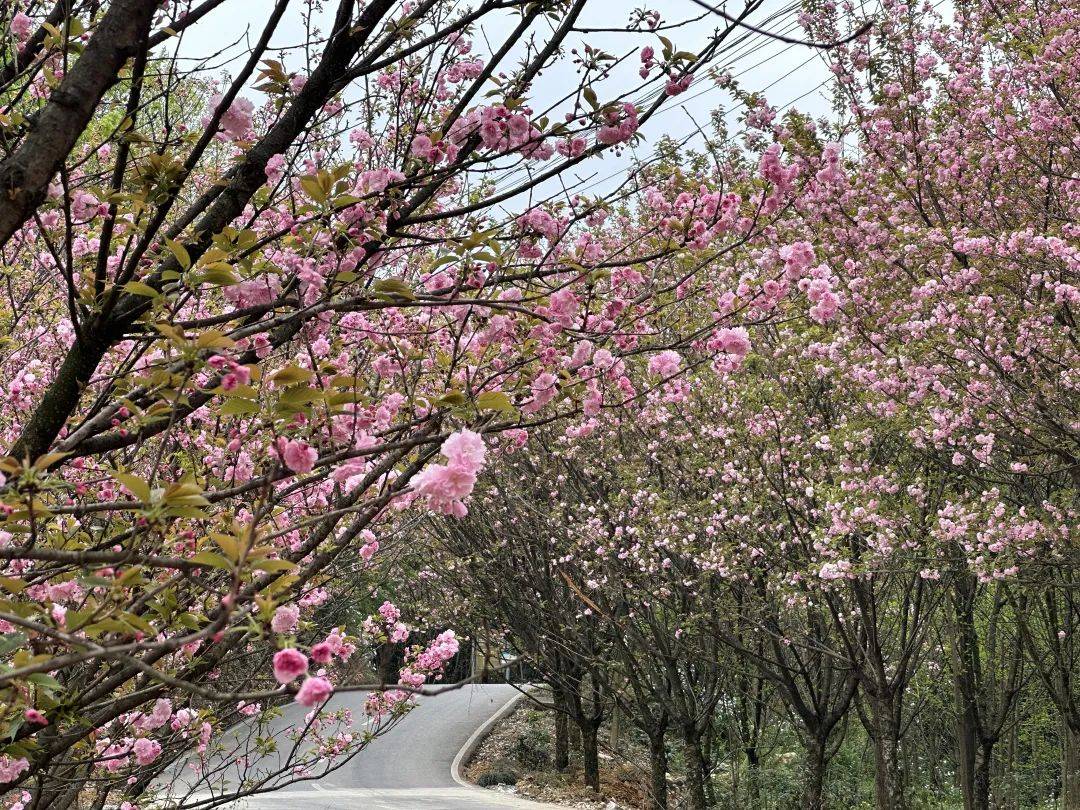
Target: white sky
point(794, 76)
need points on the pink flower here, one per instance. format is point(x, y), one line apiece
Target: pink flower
point(421, 146)
point(369, 549)
point(285, 619)
point(236, 121)
point(665, 364)
point(289, 664)
point(21, 26)
point(275, 168)
point(298, 456)
point(35, 717)
point(146, 750)
point(621, 126)
point(313, 691)
point(675, 86)
point(465, 449)
point(445, 486)
point(321, 652)
point(733, 341)
point(11, 768)
point(544, 389)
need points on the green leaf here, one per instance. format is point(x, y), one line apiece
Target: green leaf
point(313, 188)
point(273, 566)
point(137, 486)
point(229, 544)
point(219, 273)
point(180, 252)
point(12, 585)
point(11, 641)
point(44, 681)
point(452, 398)
point(138, 288)
point(291, 375)
point(495, 401)
point(394, 287)
point(239, 406)
point(213, 559)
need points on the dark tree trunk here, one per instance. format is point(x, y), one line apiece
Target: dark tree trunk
point(562, 741)
point(813, 796)
point(966, 743)
point(573, 734)
point(981, 783)
point(590, 755)
point(965, 655)
point(753, 776)
point(658, 768)
point(1070, 769)
point(695, 771)
point(888, 760)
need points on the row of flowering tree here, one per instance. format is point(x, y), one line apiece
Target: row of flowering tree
point(253, 323)
point(864, 512)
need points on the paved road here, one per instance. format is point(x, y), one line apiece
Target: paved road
point(409, 766)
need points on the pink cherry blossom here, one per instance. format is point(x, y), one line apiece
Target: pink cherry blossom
point(314, 691)
point(298, 456)
point(285, 619)
point(289, 664)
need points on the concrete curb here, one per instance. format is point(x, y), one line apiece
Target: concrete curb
point(470, 746)
point(477, 737)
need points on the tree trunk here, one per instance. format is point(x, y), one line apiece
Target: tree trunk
point(981, 782)
point(695, 771)
point(1070, 769)
point(966, 736)
point(562, 734)
point(814, 780)
point(658, 768)
point(965, 657)
point(590, 756)
point(615, 729)
point(753, 776)
point(888, 764)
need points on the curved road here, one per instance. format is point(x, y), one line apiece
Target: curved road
point(407, 767)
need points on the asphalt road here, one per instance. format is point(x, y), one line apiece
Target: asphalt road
point(410, 766)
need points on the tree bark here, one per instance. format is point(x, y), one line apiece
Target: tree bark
point(813, 797)
point(753, 776)
point(695, 770)
point(965, 655)
point(590, 755)
point(658, 769)
point(562, 734)
point(615, 729)
point(888, 762)
point(25, 175)
point(981, 781)
point(573, 734)
point(1070, 769)
point(61, 397)
point(966, 739)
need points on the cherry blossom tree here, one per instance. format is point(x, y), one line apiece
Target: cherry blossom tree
point(256, 317)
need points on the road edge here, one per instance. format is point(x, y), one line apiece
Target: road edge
point(477, 737)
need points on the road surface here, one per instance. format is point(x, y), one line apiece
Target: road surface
point(410, 766)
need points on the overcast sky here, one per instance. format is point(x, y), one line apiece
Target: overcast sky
point(790, 76)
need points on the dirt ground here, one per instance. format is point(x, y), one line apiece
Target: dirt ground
point(521, 749)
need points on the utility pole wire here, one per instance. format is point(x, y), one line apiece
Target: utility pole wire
point(789, 40)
